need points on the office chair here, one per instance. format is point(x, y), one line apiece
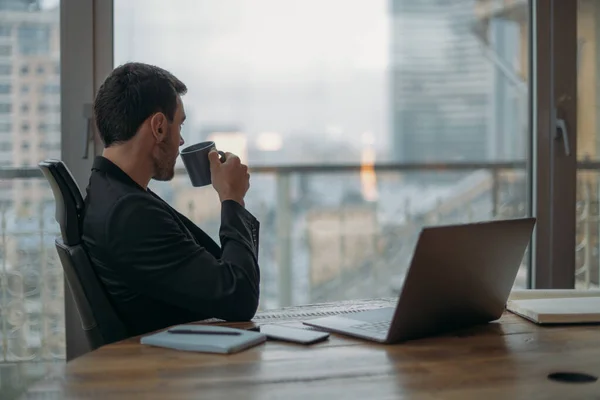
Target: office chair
point(98, 317)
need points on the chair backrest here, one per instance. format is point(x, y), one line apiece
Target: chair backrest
point(69, 202)
point(98, 317)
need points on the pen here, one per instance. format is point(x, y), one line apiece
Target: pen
point(193, 332)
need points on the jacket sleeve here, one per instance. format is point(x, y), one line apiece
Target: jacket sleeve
point(158, 258)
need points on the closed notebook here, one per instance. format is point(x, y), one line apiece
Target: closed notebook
point(566, 310)
point(205, 342)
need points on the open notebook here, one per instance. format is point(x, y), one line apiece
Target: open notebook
point(558, 310)
point(205, 342)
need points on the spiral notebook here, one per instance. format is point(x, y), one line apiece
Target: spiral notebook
point(205, 339)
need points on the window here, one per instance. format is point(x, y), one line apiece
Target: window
point(44, 127)
point(40, 69)
point(5, 88)
point(25, 89)
point(5, 69)
point(50, 145)
point(587, 257)
point(5, 30)
point(49, 203)
point(355, 96)
point(24, 127)
point(24, 107)
point(24, 69)
point(5, 146)
point(5, 127)
point(25, 146)
point(34, 39)
point(51, 88)
point(45, 107)
point(5, 50)
point(5, 108)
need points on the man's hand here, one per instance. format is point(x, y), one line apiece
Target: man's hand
point(230, 179)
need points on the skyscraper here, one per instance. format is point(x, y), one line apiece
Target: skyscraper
point(29, 92)
point(449, 99)
point(29, 132)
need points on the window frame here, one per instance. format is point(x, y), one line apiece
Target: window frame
point(86, 32)
point(555, 177)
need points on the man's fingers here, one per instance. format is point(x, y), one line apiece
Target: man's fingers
point(214, 158)
point(232, 158)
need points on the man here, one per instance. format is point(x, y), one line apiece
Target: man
point(160, 269)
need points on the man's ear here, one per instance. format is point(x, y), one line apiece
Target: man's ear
point(158, 126)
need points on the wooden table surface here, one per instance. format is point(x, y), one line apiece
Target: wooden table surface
point(507, 359)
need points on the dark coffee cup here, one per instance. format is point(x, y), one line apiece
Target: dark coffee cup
point(197, 165)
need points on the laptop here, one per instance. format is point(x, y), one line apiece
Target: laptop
point(459, 276)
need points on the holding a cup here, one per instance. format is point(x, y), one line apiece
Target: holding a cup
point(205, 165)
point(196, 162)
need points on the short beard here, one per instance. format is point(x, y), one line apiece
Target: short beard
point(164, 169)
point(163, 173)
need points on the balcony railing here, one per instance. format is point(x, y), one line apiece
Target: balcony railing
point(327, 232)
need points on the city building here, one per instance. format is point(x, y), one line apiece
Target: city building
point(29, 96)
point(29, 132)
point(457, 99)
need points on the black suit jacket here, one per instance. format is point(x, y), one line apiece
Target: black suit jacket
point(158, 267)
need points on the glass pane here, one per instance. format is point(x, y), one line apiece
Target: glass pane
point(32, 334)
point(437, 90)
point(588, 146)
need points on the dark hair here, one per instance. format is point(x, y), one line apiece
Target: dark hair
point(131, 93)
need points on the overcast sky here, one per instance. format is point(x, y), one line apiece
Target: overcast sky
point(268, 65)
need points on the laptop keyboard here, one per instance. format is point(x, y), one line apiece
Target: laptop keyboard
point(377, 327)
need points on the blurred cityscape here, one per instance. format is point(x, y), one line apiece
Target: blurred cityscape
point(399, 83)
point(409, 113)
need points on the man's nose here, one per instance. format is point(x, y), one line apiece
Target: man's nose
point(181, 141)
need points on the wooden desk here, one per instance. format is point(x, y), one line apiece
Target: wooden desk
point(509, 359)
